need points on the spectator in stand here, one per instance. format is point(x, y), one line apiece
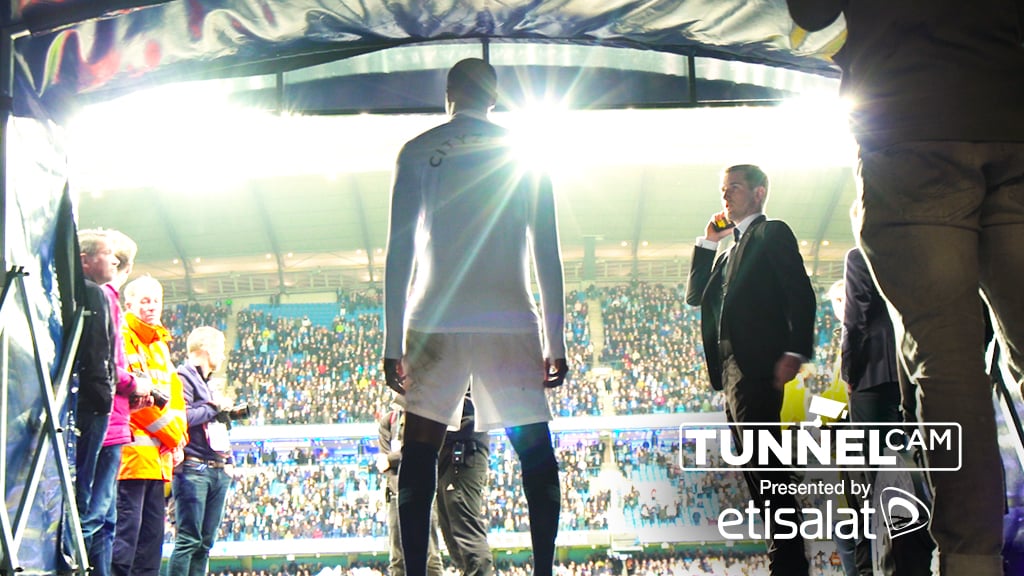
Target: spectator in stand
point(182, 318)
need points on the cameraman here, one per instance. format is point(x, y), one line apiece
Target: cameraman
point(200, 483)
point(461, 476)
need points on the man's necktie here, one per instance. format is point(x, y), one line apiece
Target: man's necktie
point(730, 263)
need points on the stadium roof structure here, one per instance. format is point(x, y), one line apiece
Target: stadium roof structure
point(669, 63)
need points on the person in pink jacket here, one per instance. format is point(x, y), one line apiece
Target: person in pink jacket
point(98, 525)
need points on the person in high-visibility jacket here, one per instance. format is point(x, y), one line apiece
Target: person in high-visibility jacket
point(159, 433)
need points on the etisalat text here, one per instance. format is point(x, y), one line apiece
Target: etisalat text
point(816, 524)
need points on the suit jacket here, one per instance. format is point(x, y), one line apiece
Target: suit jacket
point(766, 310)
point(868, 343)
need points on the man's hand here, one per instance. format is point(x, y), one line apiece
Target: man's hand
point(394, 375)
point(713, 234)
point(555, 371)
point(143, 385)
point(786, 368)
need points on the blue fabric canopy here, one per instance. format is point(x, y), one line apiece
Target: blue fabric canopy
point(82, 49)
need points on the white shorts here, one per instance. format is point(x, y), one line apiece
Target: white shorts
point(505, 371)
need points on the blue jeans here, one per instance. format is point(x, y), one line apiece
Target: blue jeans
point(941, 220)
point(102, 517)
point(199, 494)
point(91, 430)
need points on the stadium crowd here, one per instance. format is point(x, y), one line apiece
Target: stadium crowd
point(294, 370)
point(696, 562)
point(180, 319)
point(304, 493)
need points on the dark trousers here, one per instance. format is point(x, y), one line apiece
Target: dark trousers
point(200, 492)
point(459, 502)
point(880, 403)
point(750, 400)
point(939, 220)
point(908, 555)
point(139, 538)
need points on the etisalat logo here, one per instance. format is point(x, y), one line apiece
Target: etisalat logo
point(808, 447)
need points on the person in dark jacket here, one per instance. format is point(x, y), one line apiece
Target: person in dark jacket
point(200, 483)
point(936, 90)
point(757, 323)
point(869, 366)
point(95, 371)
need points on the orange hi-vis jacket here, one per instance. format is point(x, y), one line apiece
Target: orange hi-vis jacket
point(156, 432)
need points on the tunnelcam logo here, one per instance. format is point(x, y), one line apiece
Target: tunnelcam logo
point(777, 446)
point(812, 499)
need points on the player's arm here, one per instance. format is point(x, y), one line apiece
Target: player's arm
point(547, 258)
point(398, 266)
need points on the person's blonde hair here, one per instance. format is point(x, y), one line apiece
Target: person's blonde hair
point(125, 249)
point(204, 338)
point(89, 240)
point(143, 285)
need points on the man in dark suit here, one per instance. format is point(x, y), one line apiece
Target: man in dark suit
point(757, 320)
point(868, 349)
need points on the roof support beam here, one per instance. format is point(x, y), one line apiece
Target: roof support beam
point(638, 224)
point(360, 208)
point(826, 220)
point(268, 227)
point(179, 249)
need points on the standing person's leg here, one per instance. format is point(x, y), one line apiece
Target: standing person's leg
point(509, 392)
point(437, 377)
point(435, 567)
point(216, 497)
point(460, 501)
point(532, 443)
point(1002, 255)
point(417, 481)
point(129, 518)
point(921, 205)
point(751, 400)
point(445, 478)
point(91, 428)
point(104, 506)
point(151, 532)
point(191, 487)
point(396, 564)
point(849, 549)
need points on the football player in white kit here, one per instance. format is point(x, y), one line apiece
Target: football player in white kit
point(467, 223)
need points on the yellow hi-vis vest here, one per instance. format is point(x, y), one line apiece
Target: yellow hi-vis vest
point(156, 432)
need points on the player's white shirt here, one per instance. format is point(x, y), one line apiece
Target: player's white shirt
point(467, 220)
